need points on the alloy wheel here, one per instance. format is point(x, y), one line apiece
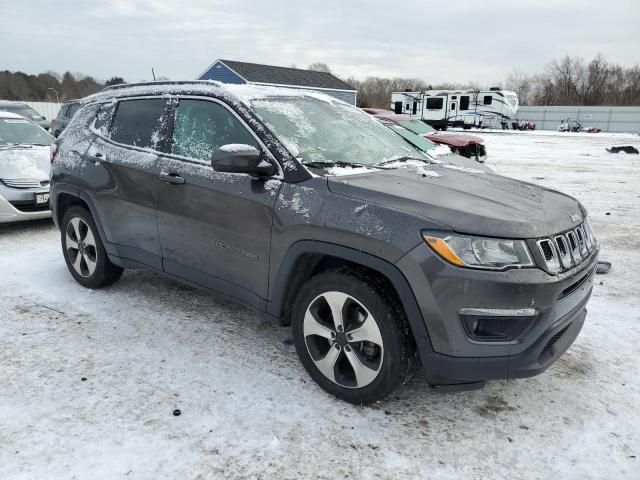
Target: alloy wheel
point(80, 244)
point(343, 339)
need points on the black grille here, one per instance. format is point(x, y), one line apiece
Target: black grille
point(546, 249)
point(553, 340)
point(561, 247)
point(575, 286)
point(27, 206)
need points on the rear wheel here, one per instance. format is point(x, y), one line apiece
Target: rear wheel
point(352, 337)
point(84, 252)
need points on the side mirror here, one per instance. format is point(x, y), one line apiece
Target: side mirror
point(239, 158)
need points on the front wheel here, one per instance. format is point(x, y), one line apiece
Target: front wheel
point(352, 337)
point(84, 252)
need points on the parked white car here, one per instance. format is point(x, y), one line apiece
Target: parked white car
point(24, 169)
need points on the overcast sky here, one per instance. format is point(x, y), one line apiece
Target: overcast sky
point(459, 41)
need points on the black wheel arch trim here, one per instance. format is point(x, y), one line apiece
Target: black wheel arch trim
point(278, 291)
point(59, 189)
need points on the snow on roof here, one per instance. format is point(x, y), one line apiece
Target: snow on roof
point(240, 93)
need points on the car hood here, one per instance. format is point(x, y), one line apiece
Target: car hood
point(25, 163)
point(474, 203)
point(454, 140)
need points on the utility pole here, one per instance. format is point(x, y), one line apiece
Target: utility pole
point(56, 92)
point(154, 74)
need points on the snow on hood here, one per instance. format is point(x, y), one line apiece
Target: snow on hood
point(341, 171)
point(25, 163)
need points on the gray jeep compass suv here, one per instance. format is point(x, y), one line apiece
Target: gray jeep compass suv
point(312, 212)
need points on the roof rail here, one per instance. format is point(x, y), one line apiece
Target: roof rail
point(160, 82)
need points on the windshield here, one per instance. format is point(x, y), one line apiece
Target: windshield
point(22, 110)
point(417, 126)
point(416, 140)
point(325, 132)
point(21, 131)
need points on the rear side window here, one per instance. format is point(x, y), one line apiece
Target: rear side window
point(201, 126)
point(138, 122)
point(464, 102)
point(73, 108)
point(435, 103)
point(103, 118)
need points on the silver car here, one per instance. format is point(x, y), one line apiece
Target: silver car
point(24, 169)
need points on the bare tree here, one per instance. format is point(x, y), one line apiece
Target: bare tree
point(319, 67)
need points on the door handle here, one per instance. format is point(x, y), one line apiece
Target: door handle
point(172, 178)
point(98, 157)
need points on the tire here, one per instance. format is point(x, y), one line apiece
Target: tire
point(329, 353)
point(84, 251)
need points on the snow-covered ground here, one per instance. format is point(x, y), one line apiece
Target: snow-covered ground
point(89, 379)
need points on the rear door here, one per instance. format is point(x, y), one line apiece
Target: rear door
point(121, 175)
point(453, 108)
point(215, 228)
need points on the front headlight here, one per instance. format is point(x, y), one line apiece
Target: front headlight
point(479, 252)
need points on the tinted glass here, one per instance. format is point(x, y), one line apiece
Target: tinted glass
point(138, 122)
point(23, 110)
point(417, 126)
point(19, 130)
point(201, 127)
point(416, 140)
point(488, 99)
point(103, 118)
point(318, 130)
point(464, 103)
point(73, 108)
point(434, 103)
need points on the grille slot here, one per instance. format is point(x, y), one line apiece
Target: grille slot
point(576, 285)
point(26, 206)
point(575, 248)
point(550, 255)
point(582, 243)
point(23, 183)
point(553, 340)
point(563, 251)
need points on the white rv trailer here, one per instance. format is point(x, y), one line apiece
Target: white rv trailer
point(458, 108)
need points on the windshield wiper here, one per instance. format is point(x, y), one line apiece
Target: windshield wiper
point(402, 160)
point(337, 163)
point(15, 145)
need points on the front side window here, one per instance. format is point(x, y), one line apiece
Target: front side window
point(73, 109)
point(324, 132)
point(138, 122)
point(488, 100)
point(202, 126)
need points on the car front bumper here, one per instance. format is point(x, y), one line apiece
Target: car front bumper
point(18, 205)
point(451, 355)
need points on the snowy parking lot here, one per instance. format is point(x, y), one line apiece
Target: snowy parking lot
point(89, 380)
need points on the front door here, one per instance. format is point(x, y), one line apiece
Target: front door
point(215, 228)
